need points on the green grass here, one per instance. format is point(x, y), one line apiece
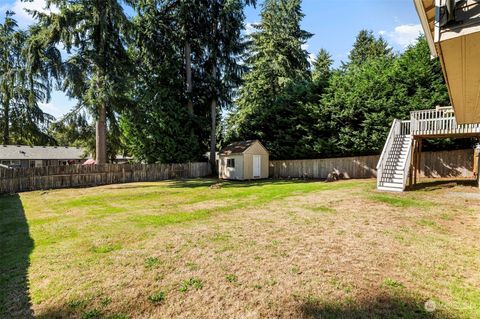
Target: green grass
point(191, 283)
point(157, 297)
point(323, 209)
point(400, 201)
point(102, 252)
point(392, 283)
point(231, 278)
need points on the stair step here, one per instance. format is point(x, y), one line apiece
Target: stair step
point(393, 185)
point(389, 189)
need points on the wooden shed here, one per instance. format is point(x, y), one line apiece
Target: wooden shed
point(243, 161)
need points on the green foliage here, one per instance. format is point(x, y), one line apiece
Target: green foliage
point(157, 297)
point(392, 283)
point(165, 76)
point(269, 105)
point(231, 278)
point(367, 47)
point(91, 314)
point(322, 68)
point(151, 262)
point(25, 81)
point(340, 112)
point(173, 120)
point(193, 282)
point(398, 201)
point(94, 34)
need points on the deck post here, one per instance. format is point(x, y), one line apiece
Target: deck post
point(415, 151)
point(477, 158)
point(419, 152)
point(412, 162)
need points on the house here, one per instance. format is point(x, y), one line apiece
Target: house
point(452, 30)
point(40, 156)
point(243, 161)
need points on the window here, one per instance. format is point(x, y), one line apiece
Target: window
point(231, 162)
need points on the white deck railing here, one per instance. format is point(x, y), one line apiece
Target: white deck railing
point(388, 144)
point(440, 121)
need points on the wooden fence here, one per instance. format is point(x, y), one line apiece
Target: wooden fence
point(457, 164)
point(433, 164)
point(51, 177)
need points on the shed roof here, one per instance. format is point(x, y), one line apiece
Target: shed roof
point(238, 147)
point(22, 152)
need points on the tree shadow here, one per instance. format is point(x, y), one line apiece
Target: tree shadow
point(15, 248)
point(378, 306)
point(195, 183)
point(441, 167)
point(432, 185)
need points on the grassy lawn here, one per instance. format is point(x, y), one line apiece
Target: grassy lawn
point(272, 249)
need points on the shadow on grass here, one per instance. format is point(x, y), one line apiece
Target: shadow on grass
point(15, 248)
point(380, 306)
point(431, 185)
point(195, 183)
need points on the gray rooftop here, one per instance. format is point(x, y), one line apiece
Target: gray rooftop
point(237, 147)
point(20, 152)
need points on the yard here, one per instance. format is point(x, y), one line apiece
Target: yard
point(273, 249)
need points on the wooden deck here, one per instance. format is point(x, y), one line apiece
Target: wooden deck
point(440, 123)
point(399, 163)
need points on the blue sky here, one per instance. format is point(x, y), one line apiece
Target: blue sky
point(334, 23)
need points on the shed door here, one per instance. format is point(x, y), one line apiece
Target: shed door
point(257, 164)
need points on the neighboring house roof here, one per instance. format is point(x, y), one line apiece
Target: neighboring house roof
point(21, 152)
point(238, 147)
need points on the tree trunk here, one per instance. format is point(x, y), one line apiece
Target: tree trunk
point(101, 132)
point(213, 128)
point(6, 124)
point(188, 68)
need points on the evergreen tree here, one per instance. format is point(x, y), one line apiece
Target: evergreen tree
point(367, 46)
point(268, 103)
point(361, 102)
point(187, 56)
point(96, 73)
point(224, 46)
point(160, 128)
point(25, 81)
point(322, 67)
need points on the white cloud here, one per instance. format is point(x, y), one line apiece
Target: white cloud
point(23, 18)
point(311, 58)
point(403, 35)
point(250, 27)
point(50, 108)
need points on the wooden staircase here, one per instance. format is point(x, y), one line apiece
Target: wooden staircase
point(395, 164)
point(394, 174)
point(393, 168)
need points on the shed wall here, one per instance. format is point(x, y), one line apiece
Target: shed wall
point(231, 172)
point(256, 149)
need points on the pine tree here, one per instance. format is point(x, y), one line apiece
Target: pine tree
point(322, 67)
point(224, 46)
point(25, 80)
point(163, 125)
point(367, 46)
point(96, 72)
point(268, 107)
